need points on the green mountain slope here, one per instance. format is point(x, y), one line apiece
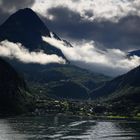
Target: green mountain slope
point(25, 27)
point(122, 85)
point(122, 94)
point(44, 79)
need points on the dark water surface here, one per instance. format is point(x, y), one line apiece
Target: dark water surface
point(67, 128)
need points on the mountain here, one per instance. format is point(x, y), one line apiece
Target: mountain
point(13, 90)
point(136, 52)
point(124, 86)
point(43, 80)
point(121, 94)
point(25, 27)
point(128, 83)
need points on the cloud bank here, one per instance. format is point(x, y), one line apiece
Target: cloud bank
point(123, 34)
point(92, 9)
point(19, 52)
point(86, 54)
point(109, 22)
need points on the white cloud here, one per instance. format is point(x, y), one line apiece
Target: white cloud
point(101, 9)
point(87, 55)
point(16, 50)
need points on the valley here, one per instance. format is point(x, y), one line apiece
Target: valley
point(61, 88)
point(69, 70)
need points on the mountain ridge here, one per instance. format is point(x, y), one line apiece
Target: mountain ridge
point(119, 84)
point(25, 27)
point(18, 29)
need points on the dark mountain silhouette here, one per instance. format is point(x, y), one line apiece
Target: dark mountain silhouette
point(25, 27)
point(13, 90)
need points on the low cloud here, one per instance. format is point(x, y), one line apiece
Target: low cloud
point(19, 52)
point(86, 54)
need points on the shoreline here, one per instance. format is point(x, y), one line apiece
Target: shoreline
point(133, 118)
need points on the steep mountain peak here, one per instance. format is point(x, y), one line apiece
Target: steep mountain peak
point(26, 19)
point(26, 10)
point(27, 28)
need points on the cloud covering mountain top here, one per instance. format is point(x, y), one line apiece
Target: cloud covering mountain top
point(88, 55)
point(112, 25)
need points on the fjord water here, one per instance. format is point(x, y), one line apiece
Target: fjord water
point(67, 128)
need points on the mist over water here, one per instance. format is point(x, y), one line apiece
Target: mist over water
point(67, 128)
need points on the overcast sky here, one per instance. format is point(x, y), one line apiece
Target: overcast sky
point(110, 24)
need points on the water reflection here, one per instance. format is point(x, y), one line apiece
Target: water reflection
point(7, 133)
point(67, 128)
